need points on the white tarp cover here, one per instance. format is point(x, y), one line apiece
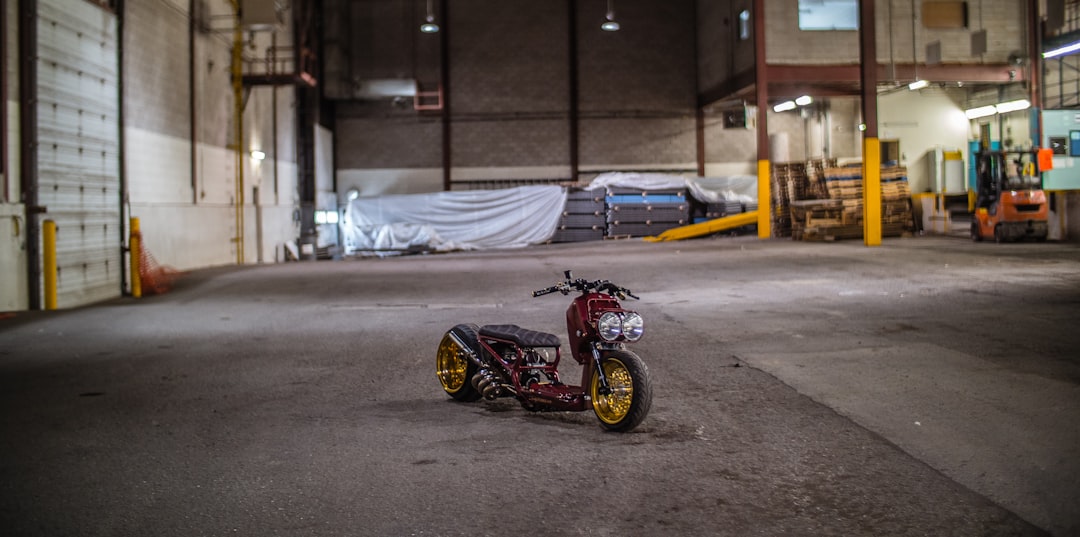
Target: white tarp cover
point(444, 221)
point(742, 188)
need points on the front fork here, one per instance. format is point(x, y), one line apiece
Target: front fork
point(604, 389)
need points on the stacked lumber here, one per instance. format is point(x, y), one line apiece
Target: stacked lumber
point(634, 212)
point(583, 218)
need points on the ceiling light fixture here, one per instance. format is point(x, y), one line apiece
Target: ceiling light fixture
point(784, 106)
point(429, 26)
point(918, 84)
point(257, 155)
point(1013, 106)
point(1062, 51)
point(1001, 108)
point(982, 111)
point(804, 100)
point(610, 24)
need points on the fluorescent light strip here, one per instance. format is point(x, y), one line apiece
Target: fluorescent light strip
point(918, 84)
point(982, 111)
point(784, 106)
point(1013, 106)
point(804, 100)
point(1067, 49)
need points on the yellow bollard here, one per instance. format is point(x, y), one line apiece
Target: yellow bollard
point(764, 200)
point(48, 239)
point(135, 251)
point(872, 192)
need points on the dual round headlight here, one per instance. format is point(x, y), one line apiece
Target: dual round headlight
point(628, 324)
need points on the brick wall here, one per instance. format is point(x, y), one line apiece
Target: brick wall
point(510, 91)
point(1002, 19)
point(721, 52)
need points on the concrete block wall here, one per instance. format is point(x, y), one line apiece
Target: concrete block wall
point(509, 97)
point(896, 39)
point(722, 54)
point(186, 208)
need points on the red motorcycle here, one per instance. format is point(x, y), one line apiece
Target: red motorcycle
point(503, 360)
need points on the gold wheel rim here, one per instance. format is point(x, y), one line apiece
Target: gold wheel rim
point(613, 407)
point(451, 365)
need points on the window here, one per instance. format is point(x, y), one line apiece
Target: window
point(828, 14)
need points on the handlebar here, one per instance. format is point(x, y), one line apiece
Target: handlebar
point(583, 285)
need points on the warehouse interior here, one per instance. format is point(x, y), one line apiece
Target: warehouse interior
point(239, 131)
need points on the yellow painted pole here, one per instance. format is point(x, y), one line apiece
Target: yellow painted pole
point(764, 200)
point(135, 249)
point(872, 191)
point(48, 239)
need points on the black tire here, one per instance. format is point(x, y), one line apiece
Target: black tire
point(998, 237)
point(628, 377)
point(453, 366)
point(975, 235)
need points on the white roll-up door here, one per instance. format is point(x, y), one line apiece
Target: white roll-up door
point(78, 148)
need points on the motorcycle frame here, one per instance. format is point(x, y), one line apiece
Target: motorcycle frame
point(586, 347)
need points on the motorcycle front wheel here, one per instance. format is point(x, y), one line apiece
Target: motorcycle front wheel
point(452, 364)
point(630, 394)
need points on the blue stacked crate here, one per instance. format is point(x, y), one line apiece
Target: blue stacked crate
point(634, 212)
point(583, 218)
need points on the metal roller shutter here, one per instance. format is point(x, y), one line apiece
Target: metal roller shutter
point(79, 146)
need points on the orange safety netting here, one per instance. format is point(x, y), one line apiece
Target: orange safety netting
point(154, 277)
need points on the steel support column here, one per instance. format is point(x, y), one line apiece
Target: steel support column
point(572, 46)
point(28, 146)
point(1034, 35)
point(444, 83)
point(762, 87)
point(871, 143)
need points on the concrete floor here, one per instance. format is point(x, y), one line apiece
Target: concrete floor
point(930, 386)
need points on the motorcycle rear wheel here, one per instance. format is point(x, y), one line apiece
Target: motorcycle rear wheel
point(631, 391)
point(453, 366)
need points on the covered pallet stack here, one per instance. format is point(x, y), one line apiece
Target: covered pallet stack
point(583, 218)
point(633, 212)
point(703, 212)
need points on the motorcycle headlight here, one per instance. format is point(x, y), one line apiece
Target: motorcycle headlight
point(633, 326)
point(609, 326)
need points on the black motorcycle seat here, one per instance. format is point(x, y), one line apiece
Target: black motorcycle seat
point(522, 336)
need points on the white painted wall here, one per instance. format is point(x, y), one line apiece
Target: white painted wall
point(922, 121)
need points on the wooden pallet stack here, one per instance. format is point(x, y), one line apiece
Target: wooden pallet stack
point(896, 201)
point(633, 212)
point(788, 180)
point(814, 218)
point(583, 218)
point(845, 219)
point(792, 181)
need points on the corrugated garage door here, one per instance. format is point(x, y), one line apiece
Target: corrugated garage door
point(79, 146)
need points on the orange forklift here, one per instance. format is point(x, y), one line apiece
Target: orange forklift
point(1010, 203)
